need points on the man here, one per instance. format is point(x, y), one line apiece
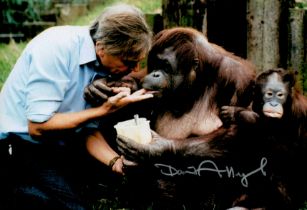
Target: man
point(42, 110)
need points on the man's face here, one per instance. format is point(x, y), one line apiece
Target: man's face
point(115, 65)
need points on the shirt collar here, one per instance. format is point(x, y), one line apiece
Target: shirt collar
point(87, 51)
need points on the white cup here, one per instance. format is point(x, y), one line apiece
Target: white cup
point(137, 129)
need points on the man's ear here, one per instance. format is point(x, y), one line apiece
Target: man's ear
point(99, 49)
point(98, 46)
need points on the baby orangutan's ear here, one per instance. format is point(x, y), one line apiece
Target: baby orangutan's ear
point(290, 77)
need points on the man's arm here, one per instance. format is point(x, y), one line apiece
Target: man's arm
point(98, 147)
point(66, 121)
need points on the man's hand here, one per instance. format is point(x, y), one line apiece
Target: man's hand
point(100, 90)
point(97, 92)
point(124, 97)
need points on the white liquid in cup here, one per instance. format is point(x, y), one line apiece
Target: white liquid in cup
point(137, 129)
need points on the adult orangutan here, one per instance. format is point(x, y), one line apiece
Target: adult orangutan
point(192, 79)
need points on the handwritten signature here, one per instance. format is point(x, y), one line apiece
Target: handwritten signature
point(209, 165)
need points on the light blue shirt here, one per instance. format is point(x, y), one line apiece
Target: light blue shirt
point(49, 77)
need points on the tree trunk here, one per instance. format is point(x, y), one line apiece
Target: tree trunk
point(304, 70)
point(263, 19)
point(296, 41)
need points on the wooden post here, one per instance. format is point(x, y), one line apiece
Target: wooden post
point(263, 18)
point(296, 41)
point(304, 70)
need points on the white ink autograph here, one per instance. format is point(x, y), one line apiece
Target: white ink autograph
point(209, 165)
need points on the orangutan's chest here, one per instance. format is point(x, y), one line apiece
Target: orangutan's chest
point(201, 119)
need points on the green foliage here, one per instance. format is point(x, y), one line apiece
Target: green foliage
point(16, 12)
point(89, 17)
point(305, 206)
point(301, 4)
point(151, 6)
point(8, 54)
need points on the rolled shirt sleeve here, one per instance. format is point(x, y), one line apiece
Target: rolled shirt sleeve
point(47, 84)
